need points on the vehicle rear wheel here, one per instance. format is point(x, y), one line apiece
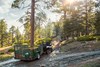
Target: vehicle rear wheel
point(49, 51)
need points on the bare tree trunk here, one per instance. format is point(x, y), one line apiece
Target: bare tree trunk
point(12, 38)
point(32, 22)
point(64, 14)
point(2, 40)
point(86, 18)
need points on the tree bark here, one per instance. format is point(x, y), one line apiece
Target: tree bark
point(12, 37)
point(2, 40)
point(86, 18)
point(32, 22)
point(64, 14)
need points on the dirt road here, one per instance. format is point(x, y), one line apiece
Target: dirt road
point(18, 63)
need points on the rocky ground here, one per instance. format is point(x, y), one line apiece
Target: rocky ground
point(94, 62)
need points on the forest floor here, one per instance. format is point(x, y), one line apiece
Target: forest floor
point(78, 47)
point(88, 63)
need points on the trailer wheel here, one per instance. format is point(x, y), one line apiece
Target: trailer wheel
point(38, 56)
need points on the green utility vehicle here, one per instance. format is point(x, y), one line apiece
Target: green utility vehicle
point(25, 52)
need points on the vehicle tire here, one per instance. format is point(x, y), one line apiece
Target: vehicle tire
point(38, 56)
point(49, 51)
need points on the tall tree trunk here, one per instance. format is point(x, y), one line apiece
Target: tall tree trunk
point(32, 22)
point(2, 40)
point(12, 38)
point(86, 18)
point(64, 14)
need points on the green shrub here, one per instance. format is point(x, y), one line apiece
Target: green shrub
point(40, 41)
point(86, 38)
point(1, 53)
point(37, 42)
point(11, 50)
point(97, 37)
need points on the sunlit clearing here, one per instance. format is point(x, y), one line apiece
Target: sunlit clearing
point(65, 2)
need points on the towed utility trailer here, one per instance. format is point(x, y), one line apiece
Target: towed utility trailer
point(26, 53)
